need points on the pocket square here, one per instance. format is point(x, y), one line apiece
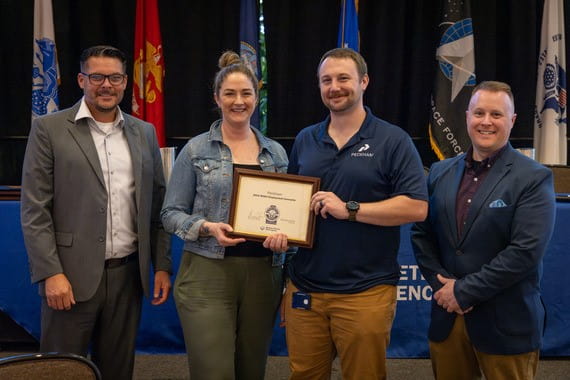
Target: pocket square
point(498, 203)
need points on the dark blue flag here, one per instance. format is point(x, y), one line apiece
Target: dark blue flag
point(454, 80)
point(249, 42)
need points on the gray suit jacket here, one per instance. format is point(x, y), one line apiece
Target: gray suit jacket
point(64, 202)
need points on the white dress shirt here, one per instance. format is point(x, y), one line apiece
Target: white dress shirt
point(116, 163)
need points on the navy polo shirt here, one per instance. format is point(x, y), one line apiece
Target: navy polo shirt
point(379, 162)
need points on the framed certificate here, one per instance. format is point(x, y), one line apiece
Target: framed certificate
point(265, 203)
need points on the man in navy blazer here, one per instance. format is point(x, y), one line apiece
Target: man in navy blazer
point(491, 215)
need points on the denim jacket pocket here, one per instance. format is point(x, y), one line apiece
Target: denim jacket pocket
point(207, 177)
point(206, 169)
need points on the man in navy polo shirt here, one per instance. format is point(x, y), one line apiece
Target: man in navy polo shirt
point(342, 294)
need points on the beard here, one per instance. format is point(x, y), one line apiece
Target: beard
point(106, 106)
point(345, 104)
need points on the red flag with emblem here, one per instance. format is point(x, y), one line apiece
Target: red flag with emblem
point(148, 73)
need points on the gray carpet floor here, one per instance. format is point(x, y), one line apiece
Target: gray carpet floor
point(175, 367)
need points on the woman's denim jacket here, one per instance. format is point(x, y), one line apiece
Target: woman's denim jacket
point(200, 187)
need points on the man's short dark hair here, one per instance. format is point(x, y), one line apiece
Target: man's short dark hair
point(361, 66)
point(102, 51)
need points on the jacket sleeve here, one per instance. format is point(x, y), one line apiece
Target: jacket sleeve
point(424, 240)
point(36, 204)
point(177, 210)
point(160, 239)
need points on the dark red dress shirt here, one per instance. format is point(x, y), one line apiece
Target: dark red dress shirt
point(473, 176)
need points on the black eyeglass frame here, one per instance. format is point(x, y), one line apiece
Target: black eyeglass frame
point(104, 76)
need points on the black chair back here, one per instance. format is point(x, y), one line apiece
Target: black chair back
point(49, 366)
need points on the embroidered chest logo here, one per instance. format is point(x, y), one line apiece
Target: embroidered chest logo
point(362, 152)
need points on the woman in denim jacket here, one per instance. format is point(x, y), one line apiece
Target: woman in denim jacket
point(227, 289)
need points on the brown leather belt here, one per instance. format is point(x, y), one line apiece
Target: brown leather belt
point(113, 263)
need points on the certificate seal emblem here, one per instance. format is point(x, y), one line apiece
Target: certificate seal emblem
point(271, 214)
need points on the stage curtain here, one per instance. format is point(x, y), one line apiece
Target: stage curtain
point(398, 40)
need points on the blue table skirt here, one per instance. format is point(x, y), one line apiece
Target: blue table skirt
point(160, 330)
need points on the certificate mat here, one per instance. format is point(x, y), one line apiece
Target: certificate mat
point(265, 203)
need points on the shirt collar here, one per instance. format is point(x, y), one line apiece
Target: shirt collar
point(366, 130)
point(470, 163)
point(84, 113)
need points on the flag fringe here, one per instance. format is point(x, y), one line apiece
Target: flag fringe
point(434, 146)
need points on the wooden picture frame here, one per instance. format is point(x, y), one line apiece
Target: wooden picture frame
point(264, 203)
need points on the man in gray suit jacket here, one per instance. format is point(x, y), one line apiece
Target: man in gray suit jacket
point(92, 189)
point(491, 215)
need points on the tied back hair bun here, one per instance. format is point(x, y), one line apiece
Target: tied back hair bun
point(230, 62)
point(229, 58)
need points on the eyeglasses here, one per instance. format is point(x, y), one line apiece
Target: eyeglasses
point(98, 79)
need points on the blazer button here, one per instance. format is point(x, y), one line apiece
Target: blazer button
point(102, 210)
point(101, 239)
point(458, 253)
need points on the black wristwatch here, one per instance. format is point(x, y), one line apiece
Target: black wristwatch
point(352, 207)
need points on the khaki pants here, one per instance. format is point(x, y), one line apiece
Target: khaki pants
point(456, 359)
point(356, 326)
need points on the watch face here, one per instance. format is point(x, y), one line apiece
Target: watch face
point(352, 205)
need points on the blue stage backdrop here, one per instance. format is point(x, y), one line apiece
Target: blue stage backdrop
point(160, 330)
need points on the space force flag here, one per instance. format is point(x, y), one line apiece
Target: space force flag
point(348, 25)
point(454, 79)
point(45, 72)
point(148, 72)
point(550, 111)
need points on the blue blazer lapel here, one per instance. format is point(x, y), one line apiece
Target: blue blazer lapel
point(481, 199)
point(451, 196)
point(82, 136)
point(135, 142)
